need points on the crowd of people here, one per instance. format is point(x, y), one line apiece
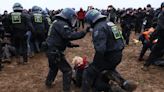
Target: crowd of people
point(24, 33)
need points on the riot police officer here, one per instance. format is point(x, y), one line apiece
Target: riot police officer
point(40, 27)
point(108, 44)
point(18, 24)
point(157, 51)
point(59, 36)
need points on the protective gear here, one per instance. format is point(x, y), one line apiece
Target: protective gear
point(92, 16)
point(35, 9)
point(41, 27)
point(17, 6)
point(17, 24)
point(69, 14)
point(59, 36)
point(45, 13)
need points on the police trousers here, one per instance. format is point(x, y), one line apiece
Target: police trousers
point(57, 62)
point(20, 43)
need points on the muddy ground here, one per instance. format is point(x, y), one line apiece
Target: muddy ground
point(31, 77)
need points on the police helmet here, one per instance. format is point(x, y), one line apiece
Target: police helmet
point(68, 14)
point(35, 9)
point(40, 9)
point(17, 6)
point(92, 16)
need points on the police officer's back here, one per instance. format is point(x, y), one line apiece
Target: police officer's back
point(18, 24)
point(39, 21)
point(108, 44)
point(40, 27)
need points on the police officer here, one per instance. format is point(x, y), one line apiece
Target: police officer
point(157, 51)
point(40, 27)
point(18, 24)
point(108, 44)
point(126, 24)
point(59, 36)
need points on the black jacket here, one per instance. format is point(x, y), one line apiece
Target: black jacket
point(60, 34)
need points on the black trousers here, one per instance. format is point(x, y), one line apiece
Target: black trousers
point(145, 47)
point(156, 53)
point(20, 43)
point(59, 63)
point(126, 34)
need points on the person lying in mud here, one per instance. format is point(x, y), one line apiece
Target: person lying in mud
point(107, 81)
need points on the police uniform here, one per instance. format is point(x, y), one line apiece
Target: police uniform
point(19, 23)
point(108, 44)
point(40, 27)
point(59, 36)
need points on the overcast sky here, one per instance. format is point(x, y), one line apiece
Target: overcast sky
point(57, 4)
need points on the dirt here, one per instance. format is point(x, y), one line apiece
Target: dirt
point(31, 77)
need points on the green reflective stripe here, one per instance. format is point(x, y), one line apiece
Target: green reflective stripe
point(116, 32)
point(49, 20)
point(50, 29)
point(38, 18)
point(16, 17)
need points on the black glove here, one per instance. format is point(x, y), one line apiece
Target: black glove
point(44, 46)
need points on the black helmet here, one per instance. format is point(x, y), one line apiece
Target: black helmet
point(35, 9)
point(17, 6)
point(92, 16)
point(68, 14)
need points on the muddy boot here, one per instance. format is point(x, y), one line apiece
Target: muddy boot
point(129, 86)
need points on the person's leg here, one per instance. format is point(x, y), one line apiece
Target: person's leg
point(102, 84)
point(67, 74)
point(128, 36)
point(155, 54)
point(143, 51)
point(53, 70)
point(78, 77)
point(24, 50)
point(89, 76)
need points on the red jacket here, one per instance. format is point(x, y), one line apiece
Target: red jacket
point(81, 14)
